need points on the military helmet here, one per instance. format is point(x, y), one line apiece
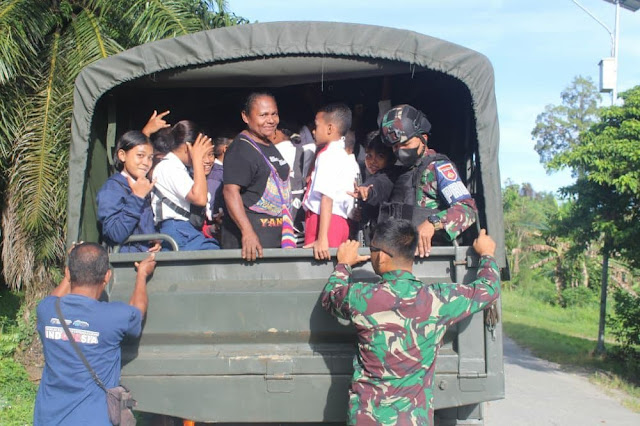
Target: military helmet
point(402, 123)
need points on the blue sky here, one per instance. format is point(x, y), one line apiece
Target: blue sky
point(536, 48)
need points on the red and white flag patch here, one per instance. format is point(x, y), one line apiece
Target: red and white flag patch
point(448, 172)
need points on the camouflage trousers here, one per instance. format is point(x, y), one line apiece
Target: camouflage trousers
point(370, 404)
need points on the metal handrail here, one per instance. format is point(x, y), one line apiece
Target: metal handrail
point(149, 237)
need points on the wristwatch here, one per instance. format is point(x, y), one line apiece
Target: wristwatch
point(435, 220)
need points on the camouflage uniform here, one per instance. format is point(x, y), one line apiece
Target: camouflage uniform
point(400, 324)
point(440, 184)
point(439, 188)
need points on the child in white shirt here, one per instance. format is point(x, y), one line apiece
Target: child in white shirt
point(178, 196)
point(327, 202)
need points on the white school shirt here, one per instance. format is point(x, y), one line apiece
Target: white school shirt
point(173, 181)
point(288, 151)
point(332, 176)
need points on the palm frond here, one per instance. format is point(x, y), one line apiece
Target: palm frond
point(41, 155)
point(43, 46)
point(158, 19)
point(23, 26)
point(542, 248)
point(543, 262)
point(86, 41)
point(216, 15)
point(12, 106)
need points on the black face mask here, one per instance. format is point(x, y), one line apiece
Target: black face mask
point(408, 157)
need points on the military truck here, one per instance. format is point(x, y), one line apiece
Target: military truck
point(229, 341)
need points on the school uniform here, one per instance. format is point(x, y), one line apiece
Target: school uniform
point(122, 214)
point(173, 182)
point(333, 176)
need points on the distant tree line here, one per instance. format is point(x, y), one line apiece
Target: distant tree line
point(591, 236)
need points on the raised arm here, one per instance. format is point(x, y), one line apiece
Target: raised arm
point(458, 301)
point(64, 287)
point(335, 294)
point(198, 193)
point(139, 298)
point(155, 123)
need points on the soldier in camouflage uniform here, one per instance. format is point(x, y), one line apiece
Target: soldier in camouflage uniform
point(430, 192)
point(400, 323)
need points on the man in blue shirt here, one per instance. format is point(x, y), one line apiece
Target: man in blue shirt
point(67, 394)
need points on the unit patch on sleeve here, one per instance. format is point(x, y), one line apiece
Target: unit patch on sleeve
point(449, 184)
point(448, 172)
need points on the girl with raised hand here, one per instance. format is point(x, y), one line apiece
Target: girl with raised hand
point(124, 206)
point(179, 199)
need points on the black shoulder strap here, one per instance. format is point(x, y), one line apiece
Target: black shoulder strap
point(173, 206)
point(424, 164)
point(77, 348)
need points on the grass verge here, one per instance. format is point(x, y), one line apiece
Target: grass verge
point(567, 336)
point(17, 394)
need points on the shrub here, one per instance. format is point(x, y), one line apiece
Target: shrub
point(539, 288)
point(16, 325)
point(578, 296)
point(625, 322)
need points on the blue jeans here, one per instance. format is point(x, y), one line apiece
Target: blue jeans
point(187, 237)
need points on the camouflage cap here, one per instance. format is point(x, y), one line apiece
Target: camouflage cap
point(401, 123)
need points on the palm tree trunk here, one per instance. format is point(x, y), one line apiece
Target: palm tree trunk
point(585, 274)
point(600, 349)
point(558, 280)
point(516, 260)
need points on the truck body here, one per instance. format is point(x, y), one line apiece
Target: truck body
point(229, 341)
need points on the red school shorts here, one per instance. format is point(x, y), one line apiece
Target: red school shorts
point(338, 229)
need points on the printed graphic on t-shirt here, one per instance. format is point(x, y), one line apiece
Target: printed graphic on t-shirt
point(271, 222)
point(277, 160)
point(54, 332)
point(450, 185)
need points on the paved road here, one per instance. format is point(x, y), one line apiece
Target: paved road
point(539, 393)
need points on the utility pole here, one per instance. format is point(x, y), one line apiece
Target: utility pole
point(609, 66)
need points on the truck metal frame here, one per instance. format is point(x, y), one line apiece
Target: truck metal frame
point(227, 341)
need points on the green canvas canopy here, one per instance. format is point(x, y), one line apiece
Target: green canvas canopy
point(204, 76)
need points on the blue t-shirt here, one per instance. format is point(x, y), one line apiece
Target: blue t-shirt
point(67, 394)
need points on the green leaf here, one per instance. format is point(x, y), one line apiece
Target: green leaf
point(23, 27)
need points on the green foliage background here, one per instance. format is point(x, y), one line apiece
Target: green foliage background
point(43, 47)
